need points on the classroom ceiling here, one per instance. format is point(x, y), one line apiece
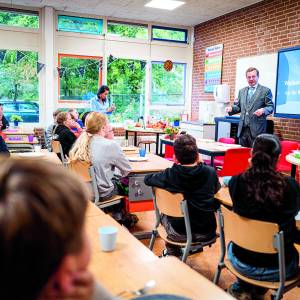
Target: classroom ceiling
point(193, 12)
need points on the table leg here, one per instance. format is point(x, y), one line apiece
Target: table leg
point(293, 171)
point(161, 148)
point(212, 160)
point(135, 138)
point(157, 141)
point(126, 135)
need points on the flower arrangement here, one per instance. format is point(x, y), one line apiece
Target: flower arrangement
point(16, 118)
point(171, 131)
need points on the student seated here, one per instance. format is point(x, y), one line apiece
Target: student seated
point(62, 131)
point(198, 183)
point(50, 128)
point(262, 193)
point(4, 124)
point(3, 147)
point(75, 116)
point(44, 249)
point(106, 156)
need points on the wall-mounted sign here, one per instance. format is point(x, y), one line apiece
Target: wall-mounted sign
point(213, 67)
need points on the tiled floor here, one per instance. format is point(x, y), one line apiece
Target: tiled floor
point(205, 262)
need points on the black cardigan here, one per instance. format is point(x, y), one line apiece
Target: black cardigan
point(66, 137)
point(284, 216)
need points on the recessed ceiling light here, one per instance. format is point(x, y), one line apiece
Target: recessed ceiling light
point(164, 4)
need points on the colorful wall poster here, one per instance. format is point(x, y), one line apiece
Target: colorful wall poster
point(213, 67)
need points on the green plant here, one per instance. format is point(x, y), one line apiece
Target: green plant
point(177, 118)
point(16, 118)
point(171, 130)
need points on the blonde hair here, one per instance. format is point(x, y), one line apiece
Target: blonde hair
point(94, 122)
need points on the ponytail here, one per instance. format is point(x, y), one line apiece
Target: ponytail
point(81, 148)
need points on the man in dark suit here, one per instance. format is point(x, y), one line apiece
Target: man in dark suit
point(255, 104)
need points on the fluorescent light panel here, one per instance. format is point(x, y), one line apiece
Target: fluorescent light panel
point(164, 4)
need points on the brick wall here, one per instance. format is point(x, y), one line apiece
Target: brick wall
point(262, 28)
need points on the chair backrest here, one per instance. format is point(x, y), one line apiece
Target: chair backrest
point(81, 168)
point(286, 148)
point(169, 152)
point(56, 147)
point(226, 140)
point(249, 234)
point(236, 161)
point(168, 203)
point(41, 136)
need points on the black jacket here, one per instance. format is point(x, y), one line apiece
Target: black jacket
point(5, 123)
point(3, 147)
point(66, 137)
point(284, 215)
point(198, 185)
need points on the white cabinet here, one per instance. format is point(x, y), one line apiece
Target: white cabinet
point(198, 129)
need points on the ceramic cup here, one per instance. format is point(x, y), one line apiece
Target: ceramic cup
point(108, 238)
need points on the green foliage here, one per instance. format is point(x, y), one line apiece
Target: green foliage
point(73, 86)
point(19, 19)
point(168, 87)
point(18, 80)
point(128, 30)
point(16, 118)
point(126, 81)
point(79, 24)
point(168, 34)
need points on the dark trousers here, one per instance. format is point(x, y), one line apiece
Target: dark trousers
point(246, 139)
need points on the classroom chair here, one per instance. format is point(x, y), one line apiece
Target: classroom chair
point(173, 205)
point(257, 236)
point(87, 173)
point(40, 134)
point(145, 143)
point(169, 152)
point(219, 160)
point(236, 161)
point(287, 147)
point(57, 148)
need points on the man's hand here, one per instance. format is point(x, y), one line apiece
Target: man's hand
point(228, 109)
point(259, 112)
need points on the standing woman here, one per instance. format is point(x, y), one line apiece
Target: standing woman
point(262, 193)
point(100, 103)
point(105, 155)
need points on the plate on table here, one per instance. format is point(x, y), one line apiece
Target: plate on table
point(31, 154)
point(161, 297)
point(137, 158)
point(129, 148)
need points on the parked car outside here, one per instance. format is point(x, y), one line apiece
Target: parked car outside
point(27, 110)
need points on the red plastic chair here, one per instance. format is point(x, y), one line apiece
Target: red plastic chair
point(169, 152)
point(286, 148)
point(219, 160)
point(236, 161)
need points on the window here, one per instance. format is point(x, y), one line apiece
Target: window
point(19, 18)
point(79, 76)
point(167, 90)
point(138, 31)
point(126, 80)
point(19, 86)
point(78, 24)
point(169, 34)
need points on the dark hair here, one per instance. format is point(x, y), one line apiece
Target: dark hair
point(185, 149)
point(42, 209)
point(61, 117)
point(56, 112)
point(264, 183)
point(102, 89)
point(252, 69)
point(83, 117)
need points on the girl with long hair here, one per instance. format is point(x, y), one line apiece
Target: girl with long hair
point(262, 193)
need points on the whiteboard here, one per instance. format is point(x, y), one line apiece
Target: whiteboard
point(267, 67)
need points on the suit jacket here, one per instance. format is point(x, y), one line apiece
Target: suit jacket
point(262, 98)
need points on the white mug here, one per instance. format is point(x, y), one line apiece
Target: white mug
point(108, 237)
point(37, 148)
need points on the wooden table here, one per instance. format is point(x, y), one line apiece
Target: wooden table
point(153, 164)
point(131, 265)
point(143, 130)
point(93, 210)
point(48, 156)
point(206, 147)
point(18, 131)
point(295, 163)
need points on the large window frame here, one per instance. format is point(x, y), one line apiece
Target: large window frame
point(129, 24)
point(60, 56)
